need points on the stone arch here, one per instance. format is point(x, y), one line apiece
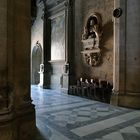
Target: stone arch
point(37, 54)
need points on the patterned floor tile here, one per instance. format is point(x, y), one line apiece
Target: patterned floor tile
point(65, 117)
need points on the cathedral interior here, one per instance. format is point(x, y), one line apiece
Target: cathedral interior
point(69, 70)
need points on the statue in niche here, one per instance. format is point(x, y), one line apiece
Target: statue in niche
point(38, 44)
point(91, 39)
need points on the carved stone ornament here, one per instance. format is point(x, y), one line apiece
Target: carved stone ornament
point(91, 40)
point(41, 68)
point(117, 12)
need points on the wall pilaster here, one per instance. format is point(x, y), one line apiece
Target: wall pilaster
point(126, 55)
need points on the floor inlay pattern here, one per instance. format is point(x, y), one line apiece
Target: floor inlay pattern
point(65, 117)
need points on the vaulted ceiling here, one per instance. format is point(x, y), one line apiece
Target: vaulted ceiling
point(49, 4)
point(33, 11)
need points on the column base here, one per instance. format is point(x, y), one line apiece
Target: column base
point(19, 127)
point(130, 100)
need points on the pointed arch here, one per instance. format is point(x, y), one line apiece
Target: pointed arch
point(37, 55)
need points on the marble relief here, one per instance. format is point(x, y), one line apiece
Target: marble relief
point(91, 40)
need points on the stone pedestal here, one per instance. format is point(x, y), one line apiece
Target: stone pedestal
point(41, 79)
point(41, 72)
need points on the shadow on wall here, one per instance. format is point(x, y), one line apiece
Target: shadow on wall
point(107, 32)
point(36, 61)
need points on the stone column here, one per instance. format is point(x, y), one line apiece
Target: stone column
point(70, 42)
point(6, 113)
point(17, 114)
point(47, 47)
point(126, 55)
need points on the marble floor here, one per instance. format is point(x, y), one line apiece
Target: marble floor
point(66, 117)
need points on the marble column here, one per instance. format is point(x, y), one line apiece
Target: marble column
point(126, 55)
point(17, 114)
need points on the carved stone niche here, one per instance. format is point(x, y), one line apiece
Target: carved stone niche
point(91, 40)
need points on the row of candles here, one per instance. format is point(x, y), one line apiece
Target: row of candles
point(86, 80)
point(95, 82)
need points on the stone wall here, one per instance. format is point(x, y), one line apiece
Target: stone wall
point(82, 11)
